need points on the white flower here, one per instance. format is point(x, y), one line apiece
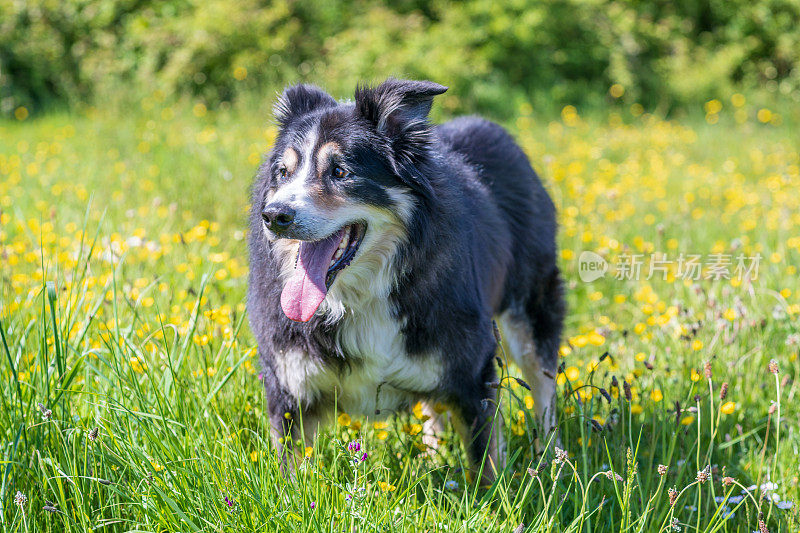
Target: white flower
point(20, 499)
point(765, 487)
point(784, 505)
point(451, 484)
point(561, 455)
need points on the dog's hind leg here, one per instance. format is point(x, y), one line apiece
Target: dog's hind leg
point(533, 333)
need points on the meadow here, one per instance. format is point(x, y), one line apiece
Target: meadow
point(129, 388)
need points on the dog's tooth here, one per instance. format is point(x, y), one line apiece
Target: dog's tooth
point(338, 254)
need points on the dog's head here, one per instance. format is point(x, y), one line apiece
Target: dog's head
point(340, 188)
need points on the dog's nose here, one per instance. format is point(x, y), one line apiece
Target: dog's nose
point(278, 217)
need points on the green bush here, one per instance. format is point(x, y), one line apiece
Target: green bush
point(493, 54)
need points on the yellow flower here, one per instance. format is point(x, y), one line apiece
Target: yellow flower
point(695, 376)
point(729, 314)
point(309, 451)
point(254, 456)
point(656, 395)
point(728, 408)
point(687, 420)
point(579, 341)
point(137, 365)
point(713, 106)
point(412, 429)
point(382, 434)
point(386, 487)
point(528, 401)
point(572, 373)
point(697, 345)
point(344, 419)
point(380, 425)
point(636, 409)
point(417, 410)
point(156, 466)
point(596, 339)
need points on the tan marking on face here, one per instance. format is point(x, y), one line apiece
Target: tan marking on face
point(328, 201)
point(290, 160)
point(324, 156)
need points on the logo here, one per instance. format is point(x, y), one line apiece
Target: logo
point(591, 266)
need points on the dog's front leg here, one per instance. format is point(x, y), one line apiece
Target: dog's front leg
point(474, 419)
point(283, 410)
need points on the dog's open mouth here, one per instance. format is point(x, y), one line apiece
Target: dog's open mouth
point(318, 263)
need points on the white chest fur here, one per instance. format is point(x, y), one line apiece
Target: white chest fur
point(382, 377)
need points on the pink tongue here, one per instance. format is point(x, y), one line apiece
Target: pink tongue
point(306, 289)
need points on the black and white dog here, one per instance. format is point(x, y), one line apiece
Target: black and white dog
point(381, 248)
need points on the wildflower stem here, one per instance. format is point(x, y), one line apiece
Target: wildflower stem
point(777, 422)
point(678, 497)
point(697, 460)
point(583, 503)
point(777, 434)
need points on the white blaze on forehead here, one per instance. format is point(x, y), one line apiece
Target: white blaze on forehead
point(306, 147)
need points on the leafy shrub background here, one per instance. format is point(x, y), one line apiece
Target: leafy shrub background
point(665, 54)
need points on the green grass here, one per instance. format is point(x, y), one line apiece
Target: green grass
point(123, 277)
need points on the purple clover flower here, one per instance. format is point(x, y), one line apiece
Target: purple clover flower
point(354, 446)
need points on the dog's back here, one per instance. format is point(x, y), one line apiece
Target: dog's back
point(526, 208)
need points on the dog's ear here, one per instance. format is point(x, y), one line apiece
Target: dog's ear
point(298, 100)
point(398, 109)
point(397, 105)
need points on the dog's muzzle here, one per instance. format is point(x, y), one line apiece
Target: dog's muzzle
point(279, 218)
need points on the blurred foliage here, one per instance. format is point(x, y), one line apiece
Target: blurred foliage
point(495, 55)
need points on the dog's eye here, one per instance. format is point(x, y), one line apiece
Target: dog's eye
point(282, 172)
point(339, 173)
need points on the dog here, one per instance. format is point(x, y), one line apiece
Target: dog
point(382, 247)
